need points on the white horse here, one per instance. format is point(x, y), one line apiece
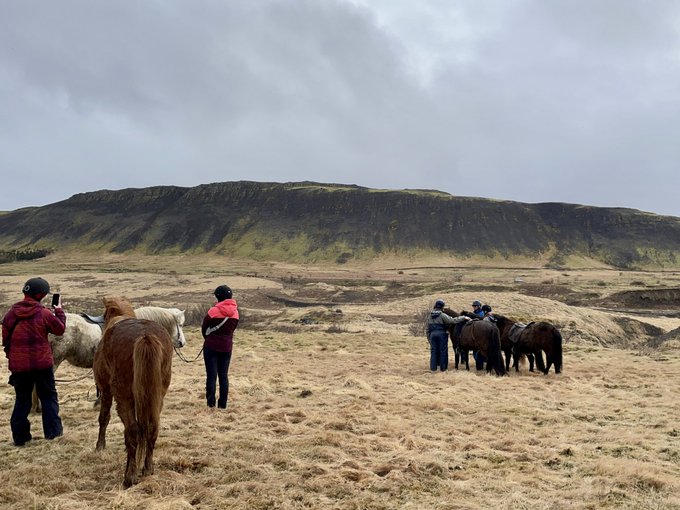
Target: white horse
point(81, 338)
point(172, 319)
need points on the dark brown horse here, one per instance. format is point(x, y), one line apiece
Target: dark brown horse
point(531, 340)
point(132, 365)
point(480, 336)
point(505, 326)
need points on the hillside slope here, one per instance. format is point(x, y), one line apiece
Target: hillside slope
point(330, 222)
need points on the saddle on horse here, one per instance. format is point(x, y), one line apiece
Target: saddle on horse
point(516, 331)
point(98, 320)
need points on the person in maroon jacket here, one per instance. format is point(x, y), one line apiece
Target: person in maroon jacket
point(24, 339)
point(218, 331)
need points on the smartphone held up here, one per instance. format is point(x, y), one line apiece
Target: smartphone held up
point(56, 298)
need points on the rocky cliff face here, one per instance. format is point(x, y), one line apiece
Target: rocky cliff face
point(311, 221)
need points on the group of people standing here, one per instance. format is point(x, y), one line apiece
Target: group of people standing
point(438, 324)
point(25, 330)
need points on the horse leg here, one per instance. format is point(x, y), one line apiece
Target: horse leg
point(500, 365)
point(35, 406)
point(548, 362)
point(151, 436)
point(131, 433)
point(515, 359)
point(465, 355)
point(539, 360)
point(104, 417)
point(531, 359)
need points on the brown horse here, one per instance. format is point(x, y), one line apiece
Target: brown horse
point(480, 336)
point(132, 365)
point(531, 340)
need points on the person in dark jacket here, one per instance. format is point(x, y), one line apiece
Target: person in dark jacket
point(488, 313)
point(218, 331)
point(24, 338)
point(477, 310)
point(438, 335)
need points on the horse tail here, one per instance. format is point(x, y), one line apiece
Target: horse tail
point(557, 350)
point(147, 389)
point(495, 351)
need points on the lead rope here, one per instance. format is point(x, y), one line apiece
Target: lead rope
point(183, 358)
point(67, 381)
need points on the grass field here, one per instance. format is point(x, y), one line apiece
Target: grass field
point(332, 405)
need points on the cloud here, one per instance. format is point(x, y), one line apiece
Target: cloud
point(522, 99)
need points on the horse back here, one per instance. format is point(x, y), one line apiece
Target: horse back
point(476, 334)
point(539, 335)
point(115, 353)
point(78, 343)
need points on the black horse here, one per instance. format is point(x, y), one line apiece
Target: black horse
point(480, 336)
point(531, 340)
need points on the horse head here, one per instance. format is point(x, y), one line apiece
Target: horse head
point(116, 309)
point(503, 324)
point(178, 339)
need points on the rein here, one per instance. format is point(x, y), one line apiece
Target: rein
point(68, 381)
point(179, 353)
point(183, 358)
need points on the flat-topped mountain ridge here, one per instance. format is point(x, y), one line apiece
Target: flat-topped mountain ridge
point(306, 221)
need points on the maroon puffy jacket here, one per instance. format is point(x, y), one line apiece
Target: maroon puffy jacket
point(24, 331)
point(219, 325)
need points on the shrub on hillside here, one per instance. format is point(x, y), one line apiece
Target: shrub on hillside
point(419, 325)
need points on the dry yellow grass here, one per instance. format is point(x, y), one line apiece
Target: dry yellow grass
point(355, 420)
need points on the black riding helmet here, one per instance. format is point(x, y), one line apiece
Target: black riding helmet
point(439, 303)
point(486, 309)
point(36, 286)
point(223, 292)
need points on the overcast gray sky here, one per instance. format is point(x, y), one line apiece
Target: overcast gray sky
point(529, 100)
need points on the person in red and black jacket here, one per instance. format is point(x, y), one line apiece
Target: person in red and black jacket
point(218, 331)
point(24, 339)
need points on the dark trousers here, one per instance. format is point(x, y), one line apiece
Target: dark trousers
point(23, 383)
point(479, 360)
point(439, 350)
point(216, 367)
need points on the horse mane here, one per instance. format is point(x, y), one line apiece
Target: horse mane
point(117, 308)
